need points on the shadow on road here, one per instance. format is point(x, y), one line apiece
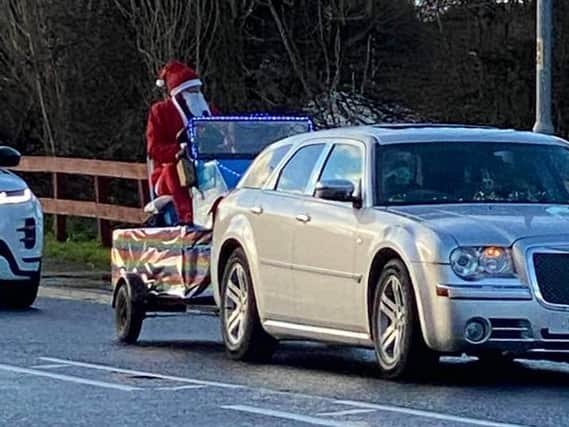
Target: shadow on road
point(516, 373)
point(361, 363)
point(450, 371)
point(330, 358)
point(5, 311)
point(206, 347)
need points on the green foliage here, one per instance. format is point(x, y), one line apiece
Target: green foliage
point(81, 250)
point(77, 228)
point(79, 254)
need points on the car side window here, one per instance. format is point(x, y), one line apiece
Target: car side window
point(296, 174)
point(263, 167)
point(345, 162)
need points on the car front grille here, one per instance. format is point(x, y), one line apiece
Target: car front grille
point(510, 329)
point(552, 275)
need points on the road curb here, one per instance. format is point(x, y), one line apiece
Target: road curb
point(77, 280)
point(102, 275)
point(66, 293)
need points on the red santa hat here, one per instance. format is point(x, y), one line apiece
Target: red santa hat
point(177, 77)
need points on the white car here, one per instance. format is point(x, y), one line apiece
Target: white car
point(416, 240)
point(21, 236)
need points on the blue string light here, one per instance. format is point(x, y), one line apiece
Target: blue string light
point(229, 170)
point(256, 117)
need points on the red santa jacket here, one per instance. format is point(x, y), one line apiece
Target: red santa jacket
point(164, 123)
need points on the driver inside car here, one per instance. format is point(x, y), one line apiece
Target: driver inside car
point(399, 180)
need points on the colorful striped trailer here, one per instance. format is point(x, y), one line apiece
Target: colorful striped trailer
point(166, 269)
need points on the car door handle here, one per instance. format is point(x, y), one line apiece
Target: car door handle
point(303, 218)
point(257, 210)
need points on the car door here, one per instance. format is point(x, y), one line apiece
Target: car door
point(274, 227)
point(325, 279)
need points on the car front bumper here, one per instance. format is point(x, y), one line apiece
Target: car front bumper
point(515, 321)
point(21, 241)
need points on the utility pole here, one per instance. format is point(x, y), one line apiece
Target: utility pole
point(543, 123)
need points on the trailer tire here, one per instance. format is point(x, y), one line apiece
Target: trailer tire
point(241, 328)
point(129, 314)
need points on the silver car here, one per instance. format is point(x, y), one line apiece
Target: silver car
point(415, 240)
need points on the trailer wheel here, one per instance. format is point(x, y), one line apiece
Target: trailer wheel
point(129, 315)
point(243, 335)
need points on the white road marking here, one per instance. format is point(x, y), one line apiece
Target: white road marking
point(139, 373)
point(426, 414)
point(53, 366)
point(356, 404)
point(181, 387)
point(346, 412)
point(67, 378)
point(289, 416)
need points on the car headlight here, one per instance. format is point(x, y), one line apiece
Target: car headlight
point(13, 197)
point(473, 263)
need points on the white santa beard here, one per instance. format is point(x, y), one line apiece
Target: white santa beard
point(196, 103)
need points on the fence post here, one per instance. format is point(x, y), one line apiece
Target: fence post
point(143, 196)
point(59, 225)
point(103, 225)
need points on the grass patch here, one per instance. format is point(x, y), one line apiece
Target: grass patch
point(87, 253)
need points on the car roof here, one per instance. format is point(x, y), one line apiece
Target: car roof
point(399, 133)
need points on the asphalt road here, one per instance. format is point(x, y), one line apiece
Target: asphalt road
point(60, 364)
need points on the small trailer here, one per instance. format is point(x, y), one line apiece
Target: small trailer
point(163, 267)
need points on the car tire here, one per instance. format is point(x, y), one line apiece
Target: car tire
point(22, 295)
point(129, 315)
point(243, 335)
point(400, 348)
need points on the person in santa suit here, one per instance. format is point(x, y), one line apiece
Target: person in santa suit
point(165, 129)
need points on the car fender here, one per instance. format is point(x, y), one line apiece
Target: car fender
point(239, 229)
point(415, 254)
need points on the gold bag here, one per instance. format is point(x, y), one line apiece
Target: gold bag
point(187, 173)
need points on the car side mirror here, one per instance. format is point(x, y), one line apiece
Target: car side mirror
point(339, 190)
point(9, 157)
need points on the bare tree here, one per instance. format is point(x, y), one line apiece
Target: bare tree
point(23, 39)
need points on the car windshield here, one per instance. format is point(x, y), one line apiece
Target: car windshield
point(473, 172)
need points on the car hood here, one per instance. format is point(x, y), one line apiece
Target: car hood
point(490, 224)
point(11, 182)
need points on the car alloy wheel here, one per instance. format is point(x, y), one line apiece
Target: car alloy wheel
point(397, 335)
point(235, 304)
point(392, 321)
point(243, 333)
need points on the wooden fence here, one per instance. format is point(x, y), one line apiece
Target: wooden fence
point(102, 172)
